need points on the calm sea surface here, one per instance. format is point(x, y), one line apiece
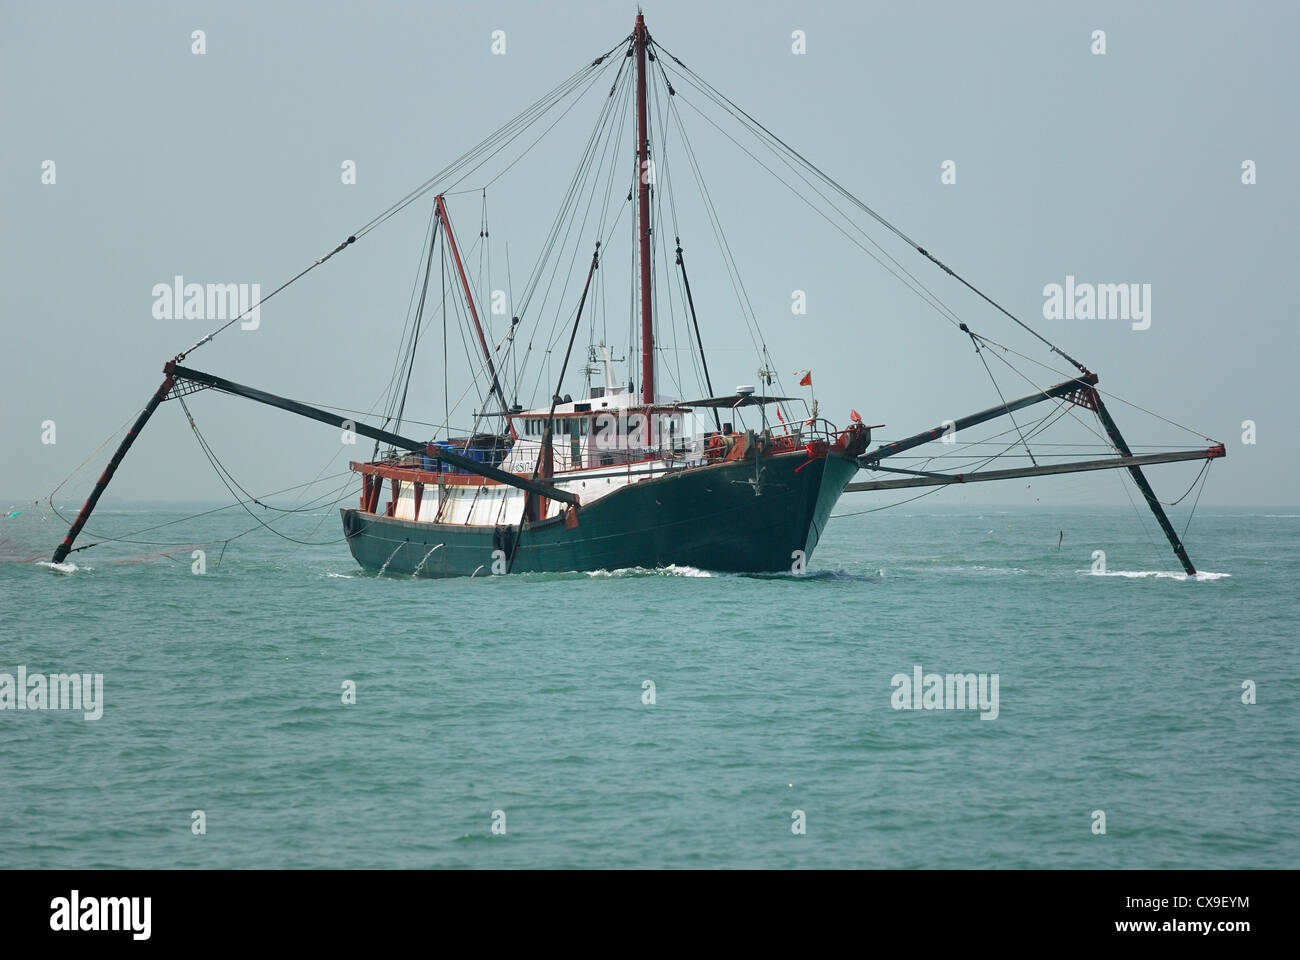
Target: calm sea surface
point(519, 700)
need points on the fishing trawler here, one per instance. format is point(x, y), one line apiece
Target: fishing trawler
point(626, 475)
point(626, 488)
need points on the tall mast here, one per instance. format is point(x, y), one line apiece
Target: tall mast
point(643, 175)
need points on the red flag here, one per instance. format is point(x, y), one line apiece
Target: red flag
point(807, 380)
point(855, 416)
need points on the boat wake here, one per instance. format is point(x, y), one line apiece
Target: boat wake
point(980, 570)
point(1155, 574)
point(672, 570)
point(820, 575)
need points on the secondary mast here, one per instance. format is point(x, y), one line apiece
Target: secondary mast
point(445, 219)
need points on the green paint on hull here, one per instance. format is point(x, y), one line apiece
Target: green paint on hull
point(713, 518)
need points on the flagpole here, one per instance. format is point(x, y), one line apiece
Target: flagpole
point(807, 381)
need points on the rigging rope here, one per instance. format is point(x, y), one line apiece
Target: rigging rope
point(871, 212)
point(523, 120)
point(1205, 472)
point(223, 474)
point(980, 353)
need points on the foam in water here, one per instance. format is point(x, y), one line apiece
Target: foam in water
point(60, 567)
point(672, 570)
point(1161, 574)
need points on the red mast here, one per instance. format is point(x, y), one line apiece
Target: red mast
point(643, 172)
point(469, 299)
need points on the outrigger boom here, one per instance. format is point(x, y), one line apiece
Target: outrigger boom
point(871, 460)
point(1081, 391)
point(177, 375)
point(1078, 466)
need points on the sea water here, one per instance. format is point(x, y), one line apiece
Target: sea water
point(283, 708)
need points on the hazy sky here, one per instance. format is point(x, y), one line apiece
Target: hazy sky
point(225, 167)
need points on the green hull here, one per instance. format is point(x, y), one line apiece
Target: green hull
point(712, 518)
